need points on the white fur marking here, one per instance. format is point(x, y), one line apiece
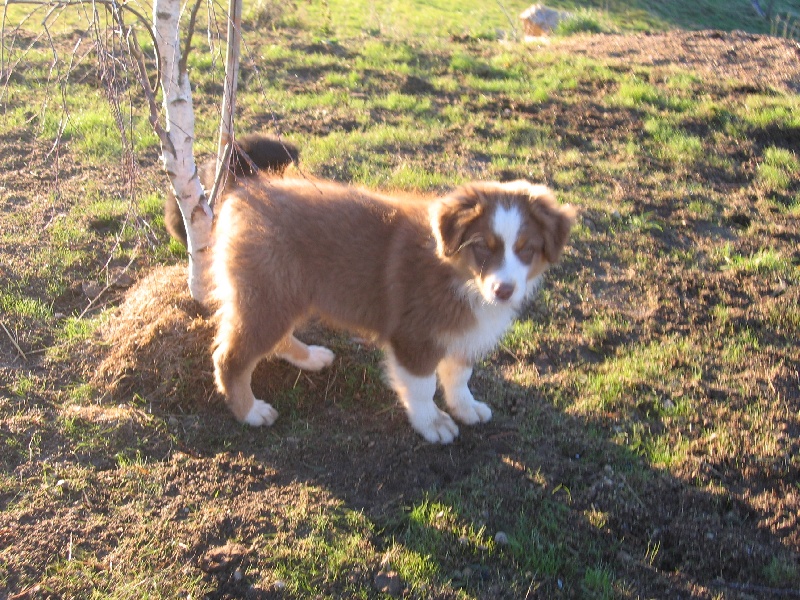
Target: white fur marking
point(454, 376)
point(507, 224)
point(319, 357)
point(416, 394)
point(261, 414)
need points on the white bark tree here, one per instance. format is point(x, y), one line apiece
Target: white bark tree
point(177, 138)
point(174, 121)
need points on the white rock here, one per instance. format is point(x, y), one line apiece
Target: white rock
point(500, 538)
point(539, 20)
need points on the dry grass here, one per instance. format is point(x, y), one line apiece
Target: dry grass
point(157, 343)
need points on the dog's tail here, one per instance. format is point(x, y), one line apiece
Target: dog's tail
point(253, 153)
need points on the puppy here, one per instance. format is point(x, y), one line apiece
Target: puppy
point(251, 153)
point(436, 282)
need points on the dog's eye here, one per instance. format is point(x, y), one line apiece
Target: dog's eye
point(481, 249)
point(526, 252)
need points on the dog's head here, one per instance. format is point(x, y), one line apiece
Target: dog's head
point(501, 235)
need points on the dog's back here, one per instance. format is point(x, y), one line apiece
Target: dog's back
point(356, 258)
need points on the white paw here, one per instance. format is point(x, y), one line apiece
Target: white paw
point(471, 412)
point(441, 429)
point(319, 357)
point(261, 414)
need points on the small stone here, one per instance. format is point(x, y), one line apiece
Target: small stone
point(501, 538)
point(120, 278)
point(538, 20)
point(91, 289)
point(279, 586)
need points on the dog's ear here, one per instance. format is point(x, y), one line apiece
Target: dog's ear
point(451, 216)
point(554, 219)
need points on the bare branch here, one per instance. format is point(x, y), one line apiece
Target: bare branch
point(13, 341)
point(221, 174)
point(189, 35)
point(232, 56)
point(149, 92)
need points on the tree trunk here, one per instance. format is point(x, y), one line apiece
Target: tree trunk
point(177, 146)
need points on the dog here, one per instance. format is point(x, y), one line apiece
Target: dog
point(436, 282)
point(252, 153)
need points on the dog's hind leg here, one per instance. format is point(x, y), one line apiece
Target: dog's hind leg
point(309, 358)
point(416, 394)
point(238, 351)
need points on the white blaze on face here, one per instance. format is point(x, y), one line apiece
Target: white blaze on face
point(508, 283)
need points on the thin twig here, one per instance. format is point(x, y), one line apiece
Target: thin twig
point(232, 56)
point(106, 288)
point(13, 341)
point(187, 48)
point(149, 93)
point(510, 20)
point(221, 174)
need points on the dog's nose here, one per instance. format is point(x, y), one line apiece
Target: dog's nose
point(503, 291)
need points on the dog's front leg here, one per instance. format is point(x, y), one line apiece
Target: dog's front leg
point(454, 375)
point(416, 394)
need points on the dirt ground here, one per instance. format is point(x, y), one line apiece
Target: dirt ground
point(756, 61)
point(709, 544)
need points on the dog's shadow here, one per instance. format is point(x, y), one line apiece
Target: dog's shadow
point(560, 487)
point(555, 484)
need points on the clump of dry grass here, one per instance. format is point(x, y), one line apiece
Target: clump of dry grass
point(157, 344)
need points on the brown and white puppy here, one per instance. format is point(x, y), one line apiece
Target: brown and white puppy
point(252, 153)
point(435, 281)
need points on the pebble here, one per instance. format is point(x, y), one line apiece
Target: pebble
point(91, 289)
point(501, 538)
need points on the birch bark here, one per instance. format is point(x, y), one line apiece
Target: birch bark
point(177, 151)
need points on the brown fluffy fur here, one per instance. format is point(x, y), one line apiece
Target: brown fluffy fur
point(398, 269)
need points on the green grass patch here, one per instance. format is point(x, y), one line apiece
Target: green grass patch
point(778, 169)
point(584, 21)
point(620, 382)
point(673, 145)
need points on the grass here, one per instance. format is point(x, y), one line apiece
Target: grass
point(646, 399)
point(777, 169)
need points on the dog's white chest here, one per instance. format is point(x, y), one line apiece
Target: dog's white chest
point(475, 343)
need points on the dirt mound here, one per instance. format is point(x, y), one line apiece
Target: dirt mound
point(157, 343)
point(760, 61)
